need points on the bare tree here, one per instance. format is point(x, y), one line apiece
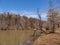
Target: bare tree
point(39, 16)
point(52, 16)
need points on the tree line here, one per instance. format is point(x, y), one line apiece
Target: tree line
point(9, 21)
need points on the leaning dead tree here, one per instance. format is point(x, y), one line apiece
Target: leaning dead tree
point(40, 23)
point(39, 16)
point(37, 25)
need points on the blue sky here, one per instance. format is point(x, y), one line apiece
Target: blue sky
point(27, 7)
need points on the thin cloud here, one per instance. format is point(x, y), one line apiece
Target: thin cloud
point(33, 14)
point(44, 15)
point(28, 13)
point(14, 11)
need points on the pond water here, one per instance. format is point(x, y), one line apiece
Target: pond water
point(29, 42)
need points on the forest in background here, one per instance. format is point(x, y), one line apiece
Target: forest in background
point(9, 21)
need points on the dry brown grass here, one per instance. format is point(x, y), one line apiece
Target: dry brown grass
point(57, 30)
point(50, 39)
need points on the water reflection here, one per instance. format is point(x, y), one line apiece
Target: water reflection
point(29, 42)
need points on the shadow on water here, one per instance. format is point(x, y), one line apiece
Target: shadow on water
point(34, 37)
point(29, 42)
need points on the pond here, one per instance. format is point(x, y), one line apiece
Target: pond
point(29, 42)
